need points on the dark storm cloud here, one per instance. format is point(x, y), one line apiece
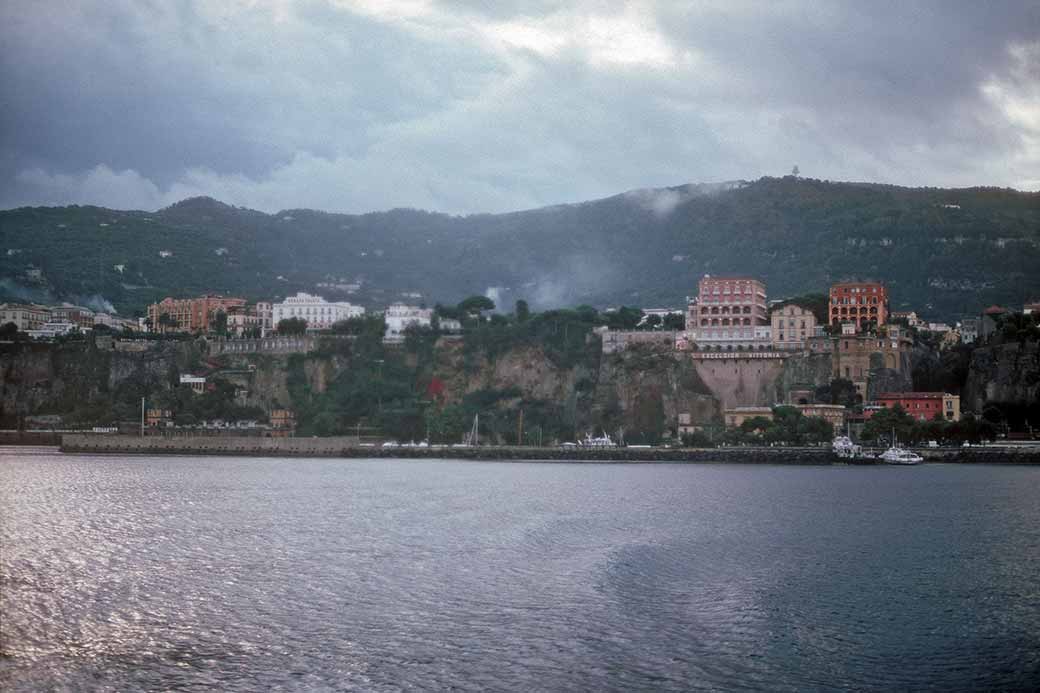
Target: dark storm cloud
point(453, 106)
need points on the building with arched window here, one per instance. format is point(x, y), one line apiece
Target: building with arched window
point(859, 304)
point(726, 313)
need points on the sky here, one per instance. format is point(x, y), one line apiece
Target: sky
point(470, 106)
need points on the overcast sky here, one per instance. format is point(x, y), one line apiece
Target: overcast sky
point(370, 104)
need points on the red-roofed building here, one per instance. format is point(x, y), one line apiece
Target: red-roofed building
point(923, 406)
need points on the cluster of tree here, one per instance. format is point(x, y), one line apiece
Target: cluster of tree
point(217, 402)
point(896, 422)
point(1018, 327)
point(9, 332)
point(561, 334)
point(839, 391)
point(471, 310)
point(671, 321)
point(788, 426)
point(291, 326)
point(389, 389)
point(818, 303)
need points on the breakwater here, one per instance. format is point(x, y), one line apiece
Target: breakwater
point(347, 447)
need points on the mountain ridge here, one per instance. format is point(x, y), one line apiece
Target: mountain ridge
point(944, 251)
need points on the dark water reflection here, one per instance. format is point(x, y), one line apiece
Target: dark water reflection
point(232, 574)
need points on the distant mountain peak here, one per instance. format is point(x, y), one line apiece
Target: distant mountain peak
point(200, 203)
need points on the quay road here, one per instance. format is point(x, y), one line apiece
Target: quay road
point(347, 447)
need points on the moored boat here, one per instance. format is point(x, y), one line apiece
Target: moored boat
point(900, 455)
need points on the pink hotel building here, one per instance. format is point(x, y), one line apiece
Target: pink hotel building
point(728, 312)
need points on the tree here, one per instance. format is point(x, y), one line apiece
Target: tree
point(523, 312)
point(167, 322)
point(885, 421)
point(9, 331)
point(360, 325)
point(624, 318)
point(675, 321)
point(219, 323)
point(840, 391)
point(474, 305)
point(292, 326)
point(652, 321)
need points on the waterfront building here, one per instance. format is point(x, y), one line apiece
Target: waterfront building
point(319, 313)
point(726, 312)
point(924, 406)
point(834, 414)
point(736, 416)
point(25, 316)
point(400, 317)
point(791, 327)
point(859, 304)
point(158, 418)
point(189, 314)
point(283, 423)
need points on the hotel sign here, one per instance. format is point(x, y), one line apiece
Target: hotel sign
point(736, 355)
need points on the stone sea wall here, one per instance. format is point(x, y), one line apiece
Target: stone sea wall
point(347, 447)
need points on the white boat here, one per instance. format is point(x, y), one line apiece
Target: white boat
point(844, 448)
point(605, 441)
point(898, 455)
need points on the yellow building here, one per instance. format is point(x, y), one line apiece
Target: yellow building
point(791, 327)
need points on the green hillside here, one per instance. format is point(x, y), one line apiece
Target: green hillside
point(942, 252)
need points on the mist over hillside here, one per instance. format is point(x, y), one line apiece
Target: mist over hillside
point(943, 252)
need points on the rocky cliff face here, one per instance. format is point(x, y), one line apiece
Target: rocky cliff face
point(648, 388)
point(1005, 373)
point(56, 379)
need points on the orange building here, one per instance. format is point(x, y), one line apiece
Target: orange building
point(189, 314)
point(283, 423)
point(858, 304)
point(924, 406)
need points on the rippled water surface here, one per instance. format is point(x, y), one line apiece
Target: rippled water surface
point(136, 573)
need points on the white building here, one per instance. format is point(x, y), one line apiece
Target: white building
point(50, 330)
point(399, 317)
point(450, 326)
point(197, 383)
point(318, 312)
